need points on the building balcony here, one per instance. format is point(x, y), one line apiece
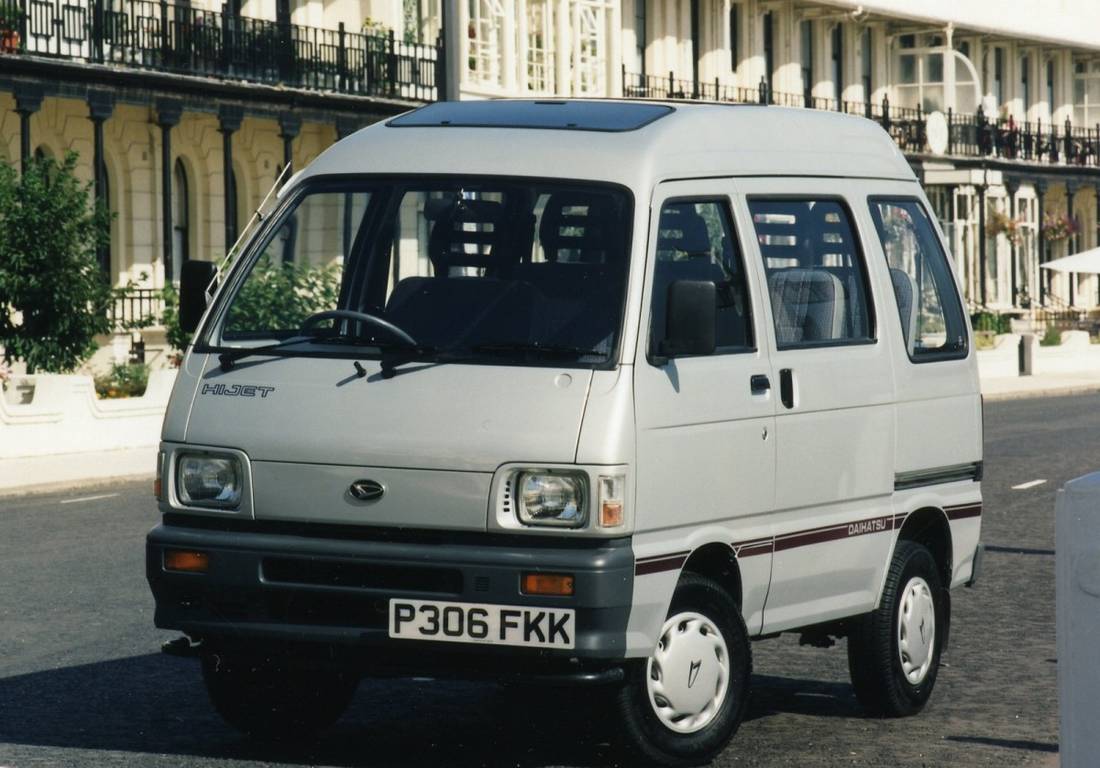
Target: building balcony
point(914, 131)
point(179, 39)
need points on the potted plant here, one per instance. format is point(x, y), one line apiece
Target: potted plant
point(1058, 226)
point(10, 17)
point(1000, 223)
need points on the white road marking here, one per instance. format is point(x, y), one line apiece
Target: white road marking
point(1029, 484)
point(88, 498)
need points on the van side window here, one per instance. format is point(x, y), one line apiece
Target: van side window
point(928, 304)
point(695, 242)
point(816, 276)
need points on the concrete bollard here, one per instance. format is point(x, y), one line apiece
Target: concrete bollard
point(1077, 565)
point(1029, 343)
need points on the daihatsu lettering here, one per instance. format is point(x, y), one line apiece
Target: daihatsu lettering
point(584, 392)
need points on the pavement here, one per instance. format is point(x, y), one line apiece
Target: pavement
point(40, 474)
point(82, 682)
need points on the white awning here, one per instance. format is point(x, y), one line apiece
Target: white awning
point(1085, 261)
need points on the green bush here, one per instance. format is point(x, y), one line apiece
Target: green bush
point(125, 380)
point(991, 321)
point(281, 296)
point(54, 298)
point(1052, 337)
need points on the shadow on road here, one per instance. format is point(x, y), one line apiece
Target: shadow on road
point(156, 704)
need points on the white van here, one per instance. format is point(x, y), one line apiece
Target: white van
point(591, 391)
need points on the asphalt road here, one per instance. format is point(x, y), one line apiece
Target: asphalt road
point(82, 681)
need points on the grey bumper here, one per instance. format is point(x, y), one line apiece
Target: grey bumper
point(316, 585)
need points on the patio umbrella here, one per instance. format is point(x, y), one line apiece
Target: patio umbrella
point(1085, 261)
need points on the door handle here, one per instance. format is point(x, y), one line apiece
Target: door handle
point(759, 384)
point(786, 387)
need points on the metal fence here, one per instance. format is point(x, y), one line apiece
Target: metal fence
point(167, 37)
point(135, 308)
point(969, 135)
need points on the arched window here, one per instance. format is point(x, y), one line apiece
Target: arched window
point(181, 216)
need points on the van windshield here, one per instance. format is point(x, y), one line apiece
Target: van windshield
point(514, 271)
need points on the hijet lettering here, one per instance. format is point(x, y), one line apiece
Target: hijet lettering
point(237, 390)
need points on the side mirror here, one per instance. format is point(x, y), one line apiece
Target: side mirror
point(195, 278)
point(690, 318)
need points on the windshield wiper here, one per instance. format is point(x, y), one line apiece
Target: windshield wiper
point(397, 353)
point(228, 358)
point(536, 348)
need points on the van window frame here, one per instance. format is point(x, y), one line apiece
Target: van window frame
point(932, 357)
point(365, 238)
point(650, 353)
point(860, 252)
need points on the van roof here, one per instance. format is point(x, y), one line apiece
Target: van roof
point(630, 142)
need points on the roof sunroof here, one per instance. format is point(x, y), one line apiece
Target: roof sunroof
point(553, 115)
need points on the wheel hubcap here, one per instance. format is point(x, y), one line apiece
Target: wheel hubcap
point(916, 630)
point(688, 674)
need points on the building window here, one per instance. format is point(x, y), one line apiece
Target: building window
point(998, 87)
point(920, 73)
point(735, 37)
point(540, 47)
point(592, 60)
point(806, 33)
point(640, 38)
point(1050, 87)
point(769, 50)
point(866, 62)
point(1086, 93)
point(181, 217)
point(838, 62)
point(485, 31)
point(1025, 83)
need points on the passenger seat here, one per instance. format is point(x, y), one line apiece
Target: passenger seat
point(809, 305)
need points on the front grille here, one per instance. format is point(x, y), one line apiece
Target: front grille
point(340, 573)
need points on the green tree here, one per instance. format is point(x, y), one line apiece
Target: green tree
point(54, 298)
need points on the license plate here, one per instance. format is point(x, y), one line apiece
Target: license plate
point(482, 623)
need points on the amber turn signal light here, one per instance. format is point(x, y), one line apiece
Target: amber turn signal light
point(186, 561)
point(556, 584)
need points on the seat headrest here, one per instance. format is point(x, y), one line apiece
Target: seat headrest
point(684, 230)
point(583, 223)
point(467, 233)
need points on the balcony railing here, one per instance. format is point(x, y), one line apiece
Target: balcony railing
point(968, 135)
point(161, 36)
point(134, 308)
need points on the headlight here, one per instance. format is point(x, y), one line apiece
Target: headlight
point(557, 499)
point(205, 480)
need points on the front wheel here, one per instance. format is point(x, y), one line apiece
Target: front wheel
point(275, 701)
point(894, 651)
point(683, 704)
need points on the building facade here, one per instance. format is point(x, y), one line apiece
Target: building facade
point(184, 113)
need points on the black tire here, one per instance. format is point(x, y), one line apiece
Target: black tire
point(874, 655)
point(274, 701)
point(649, 739)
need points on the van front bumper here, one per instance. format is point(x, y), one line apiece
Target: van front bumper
point(270, 584)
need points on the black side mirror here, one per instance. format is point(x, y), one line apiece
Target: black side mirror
point(195, 278)
point(690, 318)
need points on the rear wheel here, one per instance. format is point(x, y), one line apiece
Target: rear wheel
point(894, 651)
point(683, 704)
point(274, 700)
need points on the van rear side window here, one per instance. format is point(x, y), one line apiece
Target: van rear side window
point(816, 276)
point(928, 305)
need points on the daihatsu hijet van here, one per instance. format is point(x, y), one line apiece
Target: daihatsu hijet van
point(588, 391)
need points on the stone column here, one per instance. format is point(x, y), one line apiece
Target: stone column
point(229, 122)
point(982, 289)
point(290, 125)
point(169, 112)
point(1012, 186)
point(1071, 277)
point(1041, 240)
point(100, 106)
point(28, 100)
point(508, 59)
point(562, 48)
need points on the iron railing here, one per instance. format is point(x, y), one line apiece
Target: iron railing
point(969, 135)
point(177, 38)
point(135, 308)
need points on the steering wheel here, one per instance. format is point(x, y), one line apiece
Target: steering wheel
point(349, 314)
